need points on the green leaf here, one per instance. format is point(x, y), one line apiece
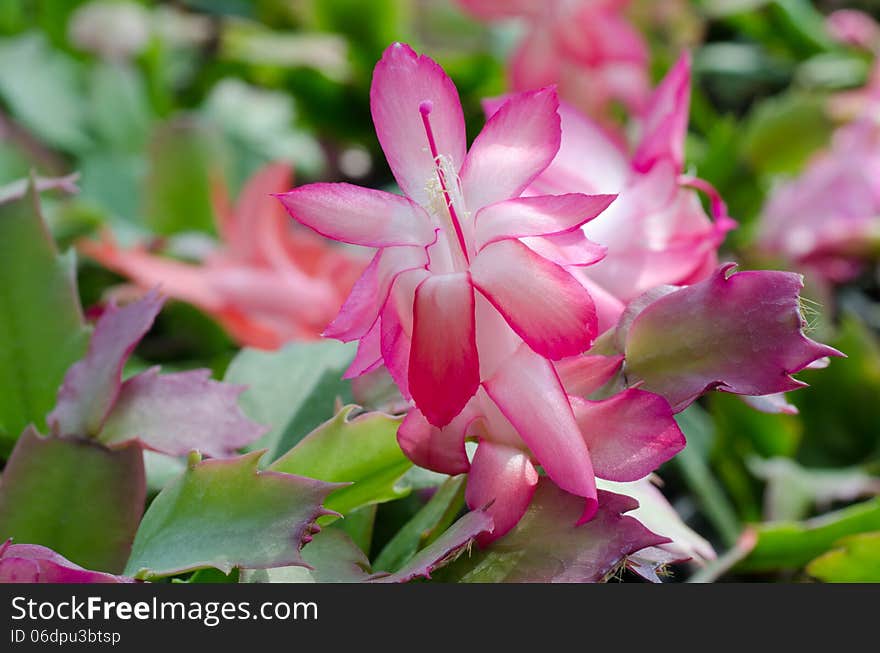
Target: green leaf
point(425, 526)
point(75, 497)
point(332, 556)
point(783, 132)
point(292, 390)
point(225, 513)
point(854, 559)
point(362, 451)
point(182, 156)
point(41, 87)
point(840, 411)
point(41, 325)
point(120, 110)
point(791, 545)
point(693, 464)
point(793, 490)
point(445, 549)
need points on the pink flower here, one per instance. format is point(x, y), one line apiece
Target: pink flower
point(265, 283)
point(656, 232)
point(454, 245)
point(828, 218)
point(470, 298)
point(32, 563)
point(586, 47)
point(854, 27)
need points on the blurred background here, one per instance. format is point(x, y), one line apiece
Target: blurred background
point(167, 109)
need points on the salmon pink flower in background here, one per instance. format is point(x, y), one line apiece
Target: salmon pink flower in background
point(267, 282)
point(587, 47)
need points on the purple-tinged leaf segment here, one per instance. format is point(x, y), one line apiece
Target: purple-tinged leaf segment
point(444, 549)
point(225, 513)
point(739, 332)
point(19, 188)
point(92, 384)
point(74, 496)
point(32, 563)
point(180, 412)
point(547, 547)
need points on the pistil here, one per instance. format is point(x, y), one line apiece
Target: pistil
point(425, 109)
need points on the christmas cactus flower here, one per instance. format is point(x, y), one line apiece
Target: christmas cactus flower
point(454, 247)
point(469, 299)
point(827, 219)
point(656, 232)
point(264, 283)
point(587, 47)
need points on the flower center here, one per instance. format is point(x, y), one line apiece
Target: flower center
point(425, 109)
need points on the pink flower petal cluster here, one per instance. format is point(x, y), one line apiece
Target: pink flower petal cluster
point(480, 303)
point(264, 283)
point(827, 219)
point(470, 298)
point(656, 232)
point(587, 47)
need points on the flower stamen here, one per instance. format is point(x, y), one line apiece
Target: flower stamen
point(425, 109)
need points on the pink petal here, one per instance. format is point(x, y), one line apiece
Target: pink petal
point(396, 320)
point(656, 233)
point(772, 404)
point(438, 449)
point(444, 369)
point(257, 217)
point(543, 303)
point(402, 80)
point(629, 435)
point(370, 291)
point(502, 479)
point(178, 413)
point(739, 332)
point(32, 563)
point(530, 396)
point(92, 384)
point(666, 121)
point(369, 353)
point(608, 307)
point(590, 159)
point(583, 375)
point(357, 215)
point(853, 27)
point(517, 143)
point(571, 248)
point(536, 62)
point(395, 345)
point(542, 215)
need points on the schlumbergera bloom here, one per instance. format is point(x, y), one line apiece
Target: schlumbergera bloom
point(827, 219)
point(265, 283)
point(656, 232)
point(470, 298)
point(587, 47)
